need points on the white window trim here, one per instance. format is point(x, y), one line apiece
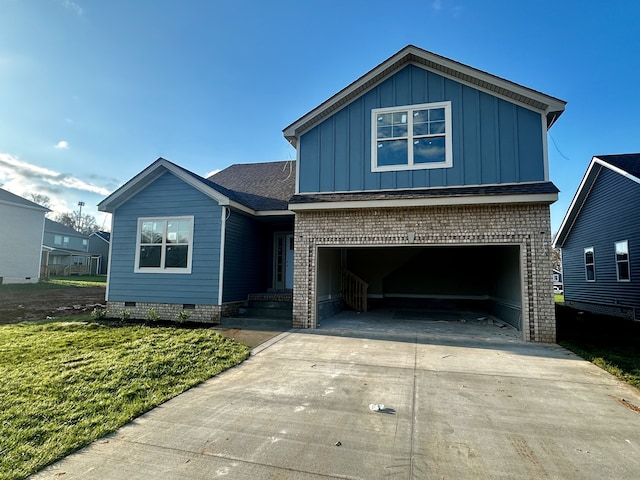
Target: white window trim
point(448, 143)
point(187, 270)
point(584, 258)
point(628, 261)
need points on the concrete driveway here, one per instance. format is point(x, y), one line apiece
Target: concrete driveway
point(461, 400)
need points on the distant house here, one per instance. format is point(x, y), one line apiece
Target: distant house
point(423, 180)
point(67, 251)
point(99, 243)
point(600, 239)
point(22, 223)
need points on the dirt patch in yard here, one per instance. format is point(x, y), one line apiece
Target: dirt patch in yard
point(19, 306)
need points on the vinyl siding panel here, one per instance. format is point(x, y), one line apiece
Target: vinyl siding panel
point(20, 244)
point(165, 197)
point(494, 141)
point(245, 258)
point(607, 216)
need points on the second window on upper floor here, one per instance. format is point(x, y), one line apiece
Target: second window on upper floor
point(411, 137)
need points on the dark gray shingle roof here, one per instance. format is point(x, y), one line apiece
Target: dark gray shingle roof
point(57, 227)
point(514, 189)
point(629, 162)
point(259, 186)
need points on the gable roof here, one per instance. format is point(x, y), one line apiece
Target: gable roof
point(57, 227)
point(245, 199)
point(551, 106)
point(106, 236)
point(627, 165)
point(260, 186)
point(9, 198)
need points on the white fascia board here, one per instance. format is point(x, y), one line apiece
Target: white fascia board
point(272, 213)
point(427, 202)
point(36, 207)
point(156, 170)
point(572, 206)
point(617, 170)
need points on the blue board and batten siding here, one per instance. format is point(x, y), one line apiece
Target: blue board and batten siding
point(608, 215)
point(494, 141)
point(165, 197)
point(245, 258)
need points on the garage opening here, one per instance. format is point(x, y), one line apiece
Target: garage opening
point(484, 278)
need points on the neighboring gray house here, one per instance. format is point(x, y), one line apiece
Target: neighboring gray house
point(600, 239)
point(423, 180)
point(99, 243)
point(21, 238)
point(66, 251)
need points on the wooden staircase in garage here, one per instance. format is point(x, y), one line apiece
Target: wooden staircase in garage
point(263, 311)
point(354, 291)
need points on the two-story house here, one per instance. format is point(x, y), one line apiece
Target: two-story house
point(423, 180)
point(66, 251)
point(21, 239)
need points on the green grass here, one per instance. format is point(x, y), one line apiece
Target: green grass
point(611, 343)
point(619, 360)
point(65, 384)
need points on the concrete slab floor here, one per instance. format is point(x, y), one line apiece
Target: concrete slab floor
point(461, 400)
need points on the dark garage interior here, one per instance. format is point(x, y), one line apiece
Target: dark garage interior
point(479, 278)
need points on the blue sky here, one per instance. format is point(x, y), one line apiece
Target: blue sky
point(93, 91)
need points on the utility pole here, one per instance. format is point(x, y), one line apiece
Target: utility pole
point(80, 204)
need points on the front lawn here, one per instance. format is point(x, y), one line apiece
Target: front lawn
point(65, 384)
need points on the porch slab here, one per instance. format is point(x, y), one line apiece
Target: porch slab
point(457, 400)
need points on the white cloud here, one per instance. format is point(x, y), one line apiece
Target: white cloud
point(23, 178)
point(73, 6)
point(62, 144)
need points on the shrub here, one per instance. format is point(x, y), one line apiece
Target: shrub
point(183, 316)
point(99, 313)
point(125, 314)
point(153, 315)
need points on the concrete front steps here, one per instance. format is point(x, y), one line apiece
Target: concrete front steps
point(267, 311)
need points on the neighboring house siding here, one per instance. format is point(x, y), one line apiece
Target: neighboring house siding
point(167, 196)
point(21, 244)
point(608, 215)
point(494, 141)
point(74, 243)
point(99, 246)
point(245, 258)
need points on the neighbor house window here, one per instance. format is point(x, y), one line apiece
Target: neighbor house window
point(57, 239)
point(164, 245)
point(590, 264)
point(622, 261)
point(411, 137)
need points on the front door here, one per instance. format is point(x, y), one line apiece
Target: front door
point(283, 261)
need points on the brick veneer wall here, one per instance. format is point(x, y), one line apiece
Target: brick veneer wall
point(525, 225)
point(167, 311)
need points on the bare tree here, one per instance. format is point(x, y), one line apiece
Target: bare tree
point(40, 199)
point(83, 223)
point(556, 259)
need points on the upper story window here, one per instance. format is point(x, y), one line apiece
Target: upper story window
point(65, 240)
point(57, 239)
point(164, 245)
point(590, 264)
point(622, 261)
point(411, 137)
